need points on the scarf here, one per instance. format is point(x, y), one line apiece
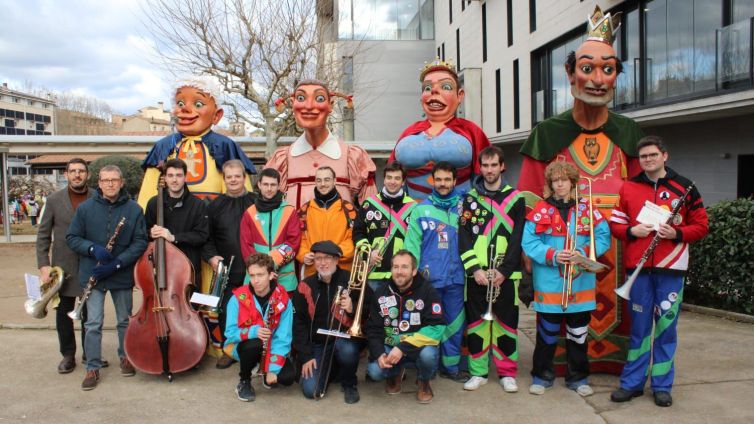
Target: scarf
point(268, 205)
point(326, 200)
point(562, 206)
point(445, 202)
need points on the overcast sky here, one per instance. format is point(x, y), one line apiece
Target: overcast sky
point(97, 48)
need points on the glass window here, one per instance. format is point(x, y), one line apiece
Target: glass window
point(561, 87)
point(627, 48)
point(386, 19)
point(742, 10)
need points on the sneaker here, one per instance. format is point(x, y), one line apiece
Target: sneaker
point(458, 377)
point(351, 394)
point(537, 389)
point(244, 392)
point(224, 362)
point(67, 365)
point(90, 380)
point(474, 383)
point(126, 369)
point(663, 399)
point(424, 393)
point(623, 395)
point(584, 390)
point(509, 384)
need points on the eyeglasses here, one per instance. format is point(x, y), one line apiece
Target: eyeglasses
point(649, 156)
point(77, 171)
point(110, 181)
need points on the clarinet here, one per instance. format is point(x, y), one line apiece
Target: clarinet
point(76, 313)
point(266, 344)
point(624, 291)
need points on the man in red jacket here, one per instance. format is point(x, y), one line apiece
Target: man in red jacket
point(658, 290)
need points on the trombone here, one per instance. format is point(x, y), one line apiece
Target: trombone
point(356, 281)
point(578, 262)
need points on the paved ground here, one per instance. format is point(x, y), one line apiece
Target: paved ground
point(714, 383)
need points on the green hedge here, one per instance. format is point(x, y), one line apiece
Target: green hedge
point(130, 167)
point(721, 273)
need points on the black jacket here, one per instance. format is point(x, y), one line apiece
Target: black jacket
point(313, 303)
point(186, 219)
point(224, 214)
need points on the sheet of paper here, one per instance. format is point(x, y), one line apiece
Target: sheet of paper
point(204, 299)
point(32, 286)
point(333, 333)
point(653, 215)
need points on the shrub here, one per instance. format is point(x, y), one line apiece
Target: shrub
point(721, 274)
point(130, 167)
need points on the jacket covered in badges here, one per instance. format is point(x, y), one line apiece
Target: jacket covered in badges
point(691, 224)
point(383, 218)
point(491, 218)
point(544, 235)
point(244, 318)
point(409, 320)
point(433, 239)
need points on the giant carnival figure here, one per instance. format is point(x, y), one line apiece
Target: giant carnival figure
point(602, 146)
point(195, 109)
point(312, 102)
point(442, 137)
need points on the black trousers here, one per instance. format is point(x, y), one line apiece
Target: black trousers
point(250, 352)
point(64, 325)
point(548, 329)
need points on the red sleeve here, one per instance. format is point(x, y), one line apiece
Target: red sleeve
point(246, 236)
point(293, 232)
point(532, 176)
point(620, 222)
point(696, 221)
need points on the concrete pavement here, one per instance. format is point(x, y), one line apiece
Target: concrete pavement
point(714, 383)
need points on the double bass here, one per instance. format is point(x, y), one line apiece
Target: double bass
point(166, 334)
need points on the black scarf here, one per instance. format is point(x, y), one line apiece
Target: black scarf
point(267, 205)
point(562, 206)
point(326, 200)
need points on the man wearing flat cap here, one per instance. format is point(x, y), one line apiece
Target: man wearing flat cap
point(323, 303)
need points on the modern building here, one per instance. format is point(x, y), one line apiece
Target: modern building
point(688, 75)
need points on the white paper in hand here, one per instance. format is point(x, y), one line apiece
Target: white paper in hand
point(204, 299)
point(653, 215)
point(33, 282)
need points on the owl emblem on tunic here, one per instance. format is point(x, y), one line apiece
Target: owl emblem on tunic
point(591, 150)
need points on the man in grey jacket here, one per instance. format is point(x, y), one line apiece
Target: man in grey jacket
point(93, 225)
point(53, 251)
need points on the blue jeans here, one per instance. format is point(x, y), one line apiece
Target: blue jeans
point(347, 355)
point(95, 307)
point(426, 365)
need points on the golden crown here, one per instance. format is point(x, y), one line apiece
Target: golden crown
point(603, 27)
point(438, 65)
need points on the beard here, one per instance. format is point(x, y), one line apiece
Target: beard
point(326, 275)
point(596, 101)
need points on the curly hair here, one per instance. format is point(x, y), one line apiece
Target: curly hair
point(556, 170)
point(260, 259)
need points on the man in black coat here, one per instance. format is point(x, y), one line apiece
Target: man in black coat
point(224, 216)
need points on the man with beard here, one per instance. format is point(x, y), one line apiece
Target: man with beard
point(491, 224)
point(224, 215)
point(318, 308)
point(405, 326)
point(51, 249)
point(326, 217)
point(433, 239)
point(185, 221)
point(271, 226)
point(441, 137)
point(382, 223)
point(602, 146)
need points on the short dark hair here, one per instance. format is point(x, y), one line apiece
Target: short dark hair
point(270, 173)
point(444, 166)
point(260, 259)
point(492, 151)
point(570, 64)
point(79, 161)
point(393, 167)
point(404, 252)
point(176, 164)
point(326, 168)
point(652, 140)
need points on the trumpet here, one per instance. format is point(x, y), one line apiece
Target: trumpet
point(38, 308)
point(356, 281)
point(493, 291)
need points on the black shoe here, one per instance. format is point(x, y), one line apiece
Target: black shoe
point(663, 399)
point(458, 377)
point(67, 365)
point(623, 395)
point(351, 394)
point(244, 391)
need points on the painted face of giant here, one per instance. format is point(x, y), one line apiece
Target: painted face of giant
point(311, 106)
point(440, 96)
point(195, 111)
point(593, 79)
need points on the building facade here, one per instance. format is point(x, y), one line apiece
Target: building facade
point(687, 75)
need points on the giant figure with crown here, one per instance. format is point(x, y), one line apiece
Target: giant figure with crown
point(602, 145)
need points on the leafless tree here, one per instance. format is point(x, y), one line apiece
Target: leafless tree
point(257, 49)
point(70, 101)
